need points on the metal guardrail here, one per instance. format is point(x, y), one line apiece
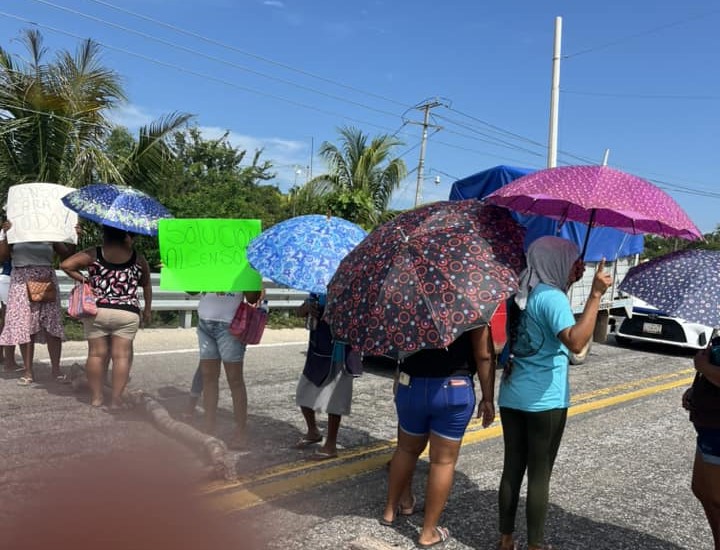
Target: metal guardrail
point(278, 297)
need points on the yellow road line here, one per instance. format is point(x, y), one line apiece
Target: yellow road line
point(241, 496)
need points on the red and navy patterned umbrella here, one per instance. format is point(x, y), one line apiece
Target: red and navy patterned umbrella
point(422, 279)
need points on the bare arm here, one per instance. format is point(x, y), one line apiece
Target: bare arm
point(484, 355)
point(64, 250)
point(578, 335)
point(77, 262)
point(4, 250)
point(146, 284)
point(705, 367)
point(4, 246)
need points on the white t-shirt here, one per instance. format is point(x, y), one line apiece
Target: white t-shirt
point(219, 306)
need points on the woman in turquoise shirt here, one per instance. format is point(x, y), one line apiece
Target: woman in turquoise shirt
point(535, 393)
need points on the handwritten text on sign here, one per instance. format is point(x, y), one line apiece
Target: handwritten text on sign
point(207, 255)
point(37, 214)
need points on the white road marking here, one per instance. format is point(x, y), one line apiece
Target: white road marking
point(183, 350)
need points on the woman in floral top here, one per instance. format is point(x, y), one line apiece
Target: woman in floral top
point(115, 272)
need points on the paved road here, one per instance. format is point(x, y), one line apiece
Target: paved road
point(621, 480)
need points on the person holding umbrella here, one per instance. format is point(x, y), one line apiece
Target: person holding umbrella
point(534, 393)
point(115, 272)
point(304, 253)
point(435, 401)
point(326, 383)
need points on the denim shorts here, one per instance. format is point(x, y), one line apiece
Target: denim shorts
point(216, 342)
point(443, 406)
point(708, 444)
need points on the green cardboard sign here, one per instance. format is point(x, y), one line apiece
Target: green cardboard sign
point(207, 255)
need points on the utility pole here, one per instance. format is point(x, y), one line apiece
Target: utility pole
point(554, 96)
point(421, 163)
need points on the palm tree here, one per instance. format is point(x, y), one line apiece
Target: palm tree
point(53, 115)
point(361, 177)
point(146, 163)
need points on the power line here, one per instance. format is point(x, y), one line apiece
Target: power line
point(644, 96)
point(514, 135)
point(246, 53)
point(490, 139)
point(196, 73)
point(643, 33)
point(212, 57)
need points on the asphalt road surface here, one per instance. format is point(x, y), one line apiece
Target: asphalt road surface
point(621, 479)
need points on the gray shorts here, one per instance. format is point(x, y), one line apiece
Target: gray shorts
point(216, 342)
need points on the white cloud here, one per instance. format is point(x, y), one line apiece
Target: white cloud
point(274, 3)
point(131, 116)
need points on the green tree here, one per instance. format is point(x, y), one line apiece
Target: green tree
point(361, 177)
point(655, 246)
point(53, 114)
point(210, 178)
point(145, 162)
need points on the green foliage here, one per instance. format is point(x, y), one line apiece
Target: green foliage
point(360, 180)
point(658, 246)
point(283, 319)
point(208, 180)
point(52, 114)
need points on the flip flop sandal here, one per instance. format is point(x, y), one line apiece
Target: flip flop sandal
point(322, 455)
point(25, 381)
point(62, 379)
point(444, 537)
point(307, 441)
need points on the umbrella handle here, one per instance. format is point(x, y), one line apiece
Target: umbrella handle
point(587, 234)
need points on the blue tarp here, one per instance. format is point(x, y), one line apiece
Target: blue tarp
point(603, 243)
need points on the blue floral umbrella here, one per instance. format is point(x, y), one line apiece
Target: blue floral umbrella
point(304, 252)
point(684, 284)
point(117, 206)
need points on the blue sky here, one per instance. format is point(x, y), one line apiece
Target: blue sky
point(639, 78)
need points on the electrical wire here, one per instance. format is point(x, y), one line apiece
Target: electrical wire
point(643, 33)
point(198, 74)
point(198, 53)
point(644, 96)
point(246, 53)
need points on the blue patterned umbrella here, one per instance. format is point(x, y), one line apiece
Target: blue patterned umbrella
point(684, 284)
point(304, 252)
point(117, 206)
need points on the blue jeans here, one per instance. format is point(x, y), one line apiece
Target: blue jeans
point(443, 406)
point(216, 342)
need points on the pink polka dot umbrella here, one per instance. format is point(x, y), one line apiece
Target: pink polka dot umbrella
point(425, 277)
point(597, 195)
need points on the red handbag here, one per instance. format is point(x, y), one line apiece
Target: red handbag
point(248, 323)
point(82, 301)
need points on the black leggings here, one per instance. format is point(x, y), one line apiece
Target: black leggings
point(532, 440)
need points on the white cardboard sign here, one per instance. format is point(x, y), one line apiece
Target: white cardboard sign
point(38, 215)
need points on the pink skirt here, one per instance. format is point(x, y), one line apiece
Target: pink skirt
point(25, 319)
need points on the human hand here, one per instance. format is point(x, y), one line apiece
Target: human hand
point(602, 280)
point(146, 318)
point(686, 398)
point(7, 224)
point(486, 411)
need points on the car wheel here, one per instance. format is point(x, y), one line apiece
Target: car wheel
point(580, 358)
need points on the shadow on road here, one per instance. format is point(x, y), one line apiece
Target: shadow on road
point(470, 515)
